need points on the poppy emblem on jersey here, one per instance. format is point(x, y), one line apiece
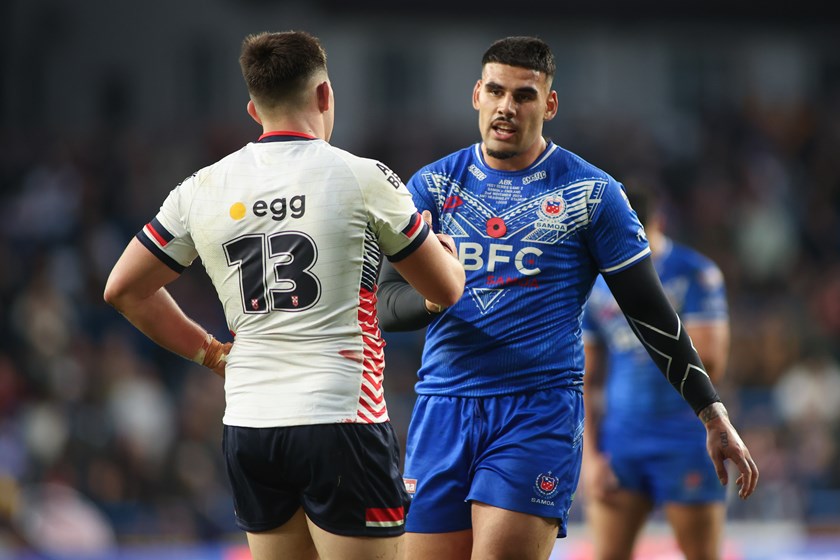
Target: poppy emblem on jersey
point(384, 517)
point(295, 301)
point(546, 485)
point(496, 227)
point(255, 304)
point(452, 202)
point(552, 207)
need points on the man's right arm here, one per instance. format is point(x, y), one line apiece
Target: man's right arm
point(399, 306)
point(429, 274)
point(136, 288)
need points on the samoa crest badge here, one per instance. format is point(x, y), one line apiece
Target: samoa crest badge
point(546, 485)
point(552, 207)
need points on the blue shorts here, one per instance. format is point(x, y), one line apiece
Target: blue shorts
point(518, 452)
point(666, 471)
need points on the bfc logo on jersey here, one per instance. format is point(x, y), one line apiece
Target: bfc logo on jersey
point(545, 487)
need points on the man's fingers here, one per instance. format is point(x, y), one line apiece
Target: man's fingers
point(720, 467)
point(749, 478)
point(427, 217)
point(447, 243)
point(745, 480)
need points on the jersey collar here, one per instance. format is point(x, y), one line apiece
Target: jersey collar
point(284, 136)
point(549, 149)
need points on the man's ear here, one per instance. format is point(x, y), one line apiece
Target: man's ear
point(252, 110)
point(476, 91)
point(323, 93)
point(551, 105)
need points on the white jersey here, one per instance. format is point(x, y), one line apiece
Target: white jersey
point(291, 231)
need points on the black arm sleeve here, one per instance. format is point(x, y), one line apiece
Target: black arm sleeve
point(399, 306)
point(639, 293)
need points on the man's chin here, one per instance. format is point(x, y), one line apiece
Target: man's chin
point(500, 154)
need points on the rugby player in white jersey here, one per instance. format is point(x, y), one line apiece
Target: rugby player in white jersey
point(292, 231)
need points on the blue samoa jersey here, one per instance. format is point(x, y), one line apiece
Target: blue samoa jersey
point(637, 395)
point(532, 243)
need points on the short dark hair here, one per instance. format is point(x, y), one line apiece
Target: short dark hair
point(276, 66)
point(523, 52)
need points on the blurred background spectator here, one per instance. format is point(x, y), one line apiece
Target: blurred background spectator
point(734, 111)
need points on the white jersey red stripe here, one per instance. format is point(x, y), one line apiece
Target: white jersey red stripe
point(372, 407)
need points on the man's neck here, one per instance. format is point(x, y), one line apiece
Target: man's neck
point(303, 125)
point(517, 162)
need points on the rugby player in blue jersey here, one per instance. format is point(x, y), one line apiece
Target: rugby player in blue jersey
point(494, 446)
point(642, 446)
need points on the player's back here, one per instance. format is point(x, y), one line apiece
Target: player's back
point(280, 226)
point(286, 234)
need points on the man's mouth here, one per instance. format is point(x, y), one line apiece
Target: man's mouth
point(503, 130)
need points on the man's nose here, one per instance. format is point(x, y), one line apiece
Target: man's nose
point(507, 106)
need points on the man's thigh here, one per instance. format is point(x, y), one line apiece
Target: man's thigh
point(500, 534)
point(340, 547)
point(616, 521)
point(698, 528)
point(455, 545)
point(291, 540)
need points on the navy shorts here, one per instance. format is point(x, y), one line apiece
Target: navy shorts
point(345, 476)
point(517, 452)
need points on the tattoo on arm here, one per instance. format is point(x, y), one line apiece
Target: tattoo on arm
point(712, 411)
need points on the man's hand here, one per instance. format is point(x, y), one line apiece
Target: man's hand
point(448, 244)
point(213, 354)
point(445, 240)
point(723, 442)
point(219, 367)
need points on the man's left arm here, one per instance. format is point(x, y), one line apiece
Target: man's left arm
point(639, 293)
point(711, 340)
point(136, 288)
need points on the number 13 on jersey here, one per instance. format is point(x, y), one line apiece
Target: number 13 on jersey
point(275, 271)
